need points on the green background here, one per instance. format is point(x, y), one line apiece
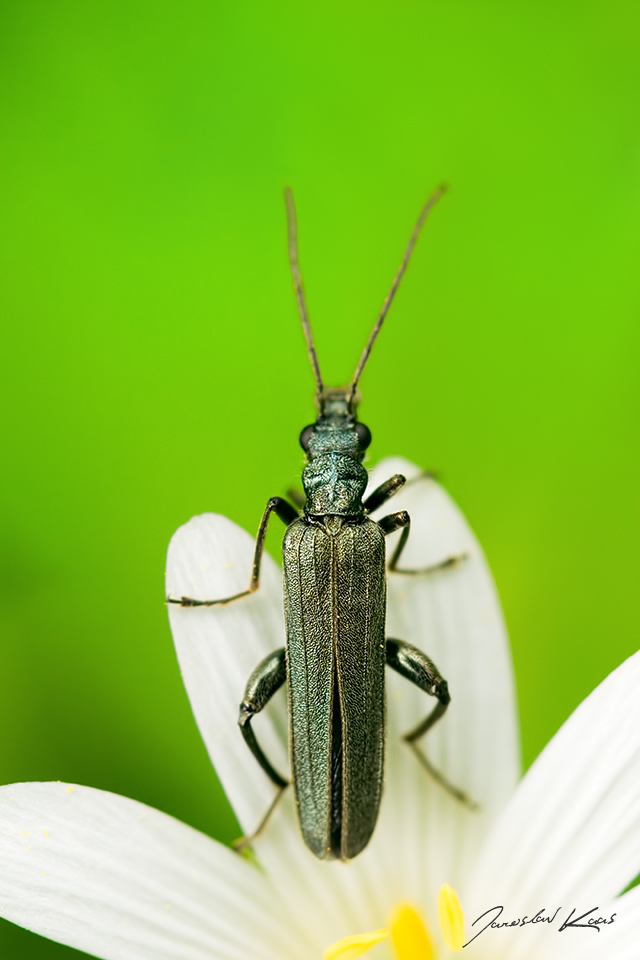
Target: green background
point(153, 366)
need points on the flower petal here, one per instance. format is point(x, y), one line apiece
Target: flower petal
point(454, 616)
point(616, 941)
point(123, 881)
point(218, 647)
point(571, 834)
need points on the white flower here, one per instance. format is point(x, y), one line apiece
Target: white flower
point(123, 881)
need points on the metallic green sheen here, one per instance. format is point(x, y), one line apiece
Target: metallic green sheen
point(335, 596)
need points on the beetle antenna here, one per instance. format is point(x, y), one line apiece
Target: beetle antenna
point(424, 213)
point(298, 286)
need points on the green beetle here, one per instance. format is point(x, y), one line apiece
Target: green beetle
point(335, 607)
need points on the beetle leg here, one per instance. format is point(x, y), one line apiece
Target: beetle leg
point(402, 520)
point(384, 492)
point(287, 514)
point(414, 665)
point(265, 680)
point(387, 489)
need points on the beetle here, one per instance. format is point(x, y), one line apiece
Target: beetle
point(334, 566)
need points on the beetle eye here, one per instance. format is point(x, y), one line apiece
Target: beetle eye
point(364, 435)
point(305, 437)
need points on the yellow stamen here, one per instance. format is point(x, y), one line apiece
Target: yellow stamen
point(451, 918)
point(409, 934)
point(352, 947)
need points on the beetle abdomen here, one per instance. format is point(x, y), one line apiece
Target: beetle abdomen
point(335, 610)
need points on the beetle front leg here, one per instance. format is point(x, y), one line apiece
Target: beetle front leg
point(265, 680)
point(402, 520)
point(414, 665)
point(287, 514)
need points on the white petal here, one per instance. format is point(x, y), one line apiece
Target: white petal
point(571, 834)
point(218, 647)
point(454, 616)
point(123, 881)
point(616, 941)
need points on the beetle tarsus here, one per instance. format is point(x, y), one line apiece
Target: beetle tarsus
point(243, 844)
point(446, 564)
point(190, 602)
point(435, 774)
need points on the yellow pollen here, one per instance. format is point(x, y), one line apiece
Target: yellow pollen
point(352, 947)
point(451, 918)
point(409, 934)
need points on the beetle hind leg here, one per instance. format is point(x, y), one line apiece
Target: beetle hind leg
point(266, 679)
point(414, 665)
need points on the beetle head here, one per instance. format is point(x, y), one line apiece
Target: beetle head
point(337, 429)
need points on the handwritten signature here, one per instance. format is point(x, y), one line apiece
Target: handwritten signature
point(592, 923)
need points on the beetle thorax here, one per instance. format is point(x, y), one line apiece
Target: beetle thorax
point(334, 479)
point(334, 483)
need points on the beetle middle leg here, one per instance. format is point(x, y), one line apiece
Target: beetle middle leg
point(402, 520)
point(384, 492)
point(287, 514)
point(266, 679)
point(414, 665)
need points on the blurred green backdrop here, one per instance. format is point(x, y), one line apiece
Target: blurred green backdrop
point(153, 365)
